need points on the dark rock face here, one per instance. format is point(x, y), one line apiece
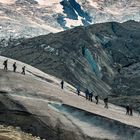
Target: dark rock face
point(72, 9)
point(108, 65)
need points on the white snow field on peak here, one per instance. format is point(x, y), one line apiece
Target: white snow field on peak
point(28, 18)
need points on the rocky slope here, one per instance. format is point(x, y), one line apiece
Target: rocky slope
point(11, 133)
point(28, 18)
point(35, 103)
point(107, 48)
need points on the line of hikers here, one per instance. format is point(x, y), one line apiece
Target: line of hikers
point(89, 96)
point(5, 64)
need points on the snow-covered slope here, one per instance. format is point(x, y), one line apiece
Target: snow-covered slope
point(26, 18)
point(36, 103)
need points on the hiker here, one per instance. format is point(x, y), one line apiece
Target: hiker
point(90, 96)
point(14, 67)
point(97, 99)
point(127, 110)
point(78, 90)
point(87, 94)
point(5, 63)
point(106, 102)
point(130, 111)
point(23, 70)
point(62, 84)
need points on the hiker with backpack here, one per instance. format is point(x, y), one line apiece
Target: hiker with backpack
point(14, 67)
point(5, 63)
point(106, 102)
point(62, 84)
point(97, 99)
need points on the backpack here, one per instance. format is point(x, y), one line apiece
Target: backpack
point(106, 100)
point(4, 62)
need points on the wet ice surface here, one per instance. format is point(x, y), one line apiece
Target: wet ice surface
point(93, 125)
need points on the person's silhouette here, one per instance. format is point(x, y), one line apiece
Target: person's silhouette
point(5, 63)
point(14, 67)
point(62, 84)
point(23, 70)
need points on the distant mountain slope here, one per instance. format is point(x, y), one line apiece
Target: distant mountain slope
point(28, 18)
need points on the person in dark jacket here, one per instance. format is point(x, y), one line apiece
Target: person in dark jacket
point(130, 111)
point(23, 70)
point(14, 67)
point(87, 94)
point(5, 63)
point(62, 84)
point(106, 102)
point(90, 96)
point(97, 99)
point(78, 90)
point(127, 110)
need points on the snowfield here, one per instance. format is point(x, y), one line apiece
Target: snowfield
point(40, 94)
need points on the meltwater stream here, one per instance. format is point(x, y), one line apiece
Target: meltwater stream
point(97, 126)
